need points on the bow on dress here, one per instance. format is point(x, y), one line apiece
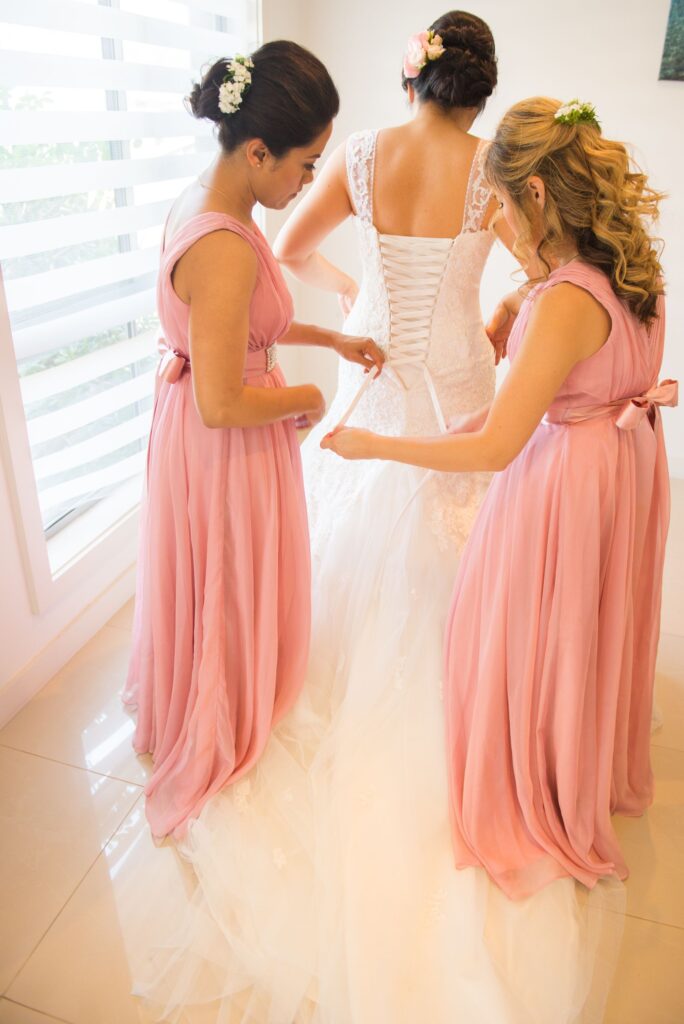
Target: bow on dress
point(630, 411)
point(634, 410)
point(172, 362)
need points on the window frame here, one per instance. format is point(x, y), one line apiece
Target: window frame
point(118, 541)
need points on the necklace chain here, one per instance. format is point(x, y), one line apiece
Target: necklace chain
point(212, 188)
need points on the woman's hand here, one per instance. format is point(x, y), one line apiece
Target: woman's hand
point(359, 350)
point(347, 297)
point(351, 443)
point(501, 323)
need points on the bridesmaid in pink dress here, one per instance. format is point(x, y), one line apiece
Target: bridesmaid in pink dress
point(553, 630)
point(222, 613)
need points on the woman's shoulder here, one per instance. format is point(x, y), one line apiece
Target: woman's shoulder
point(205, 245)
point(582, 275)
point(577, 287)
point(211, 225)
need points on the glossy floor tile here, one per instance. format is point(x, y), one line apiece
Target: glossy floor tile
point(13, 1013)
point(76, 920)
point(653, 846)
point(649, 984)
point(124, 617)
point(78, 717)
point(81, 970)
point(55, 821)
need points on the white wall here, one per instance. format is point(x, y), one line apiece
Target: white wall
point(607, 52)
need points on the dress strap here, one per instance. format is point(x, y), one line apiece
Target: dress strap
point(204, 224)
point(587, 277)
point(360, 154)
point(478, 193)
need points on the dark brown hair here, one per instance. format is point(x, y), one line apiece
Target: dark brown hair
point(465, 75)
point(290, 101)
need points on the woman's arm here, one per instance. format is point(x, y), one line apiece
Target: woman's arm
point(354, 349)
point(502, 319)
point(566, 326)
point(220, 271)
point(325, 205)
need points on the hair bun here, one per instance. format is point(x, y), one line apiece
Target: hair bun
point(466, 73)
point(291, 98)
point(203, 100)
point(467, 39)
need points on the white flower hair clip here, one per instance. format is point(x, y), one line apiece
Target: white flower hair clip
point(574, 112)
point(419, 50)
point(236, 83)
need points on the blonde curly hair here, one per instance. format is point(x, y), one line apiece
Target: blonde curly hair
point(593, 197)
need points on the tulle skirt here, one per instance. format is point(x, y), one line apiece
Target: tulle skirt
point(327, 891)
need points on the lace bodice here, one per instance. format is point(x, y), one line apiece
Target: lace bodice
point(419, 300)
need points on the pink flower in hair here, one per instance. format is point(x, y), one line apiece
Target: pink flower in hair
point(415, 57)
point(420, 49)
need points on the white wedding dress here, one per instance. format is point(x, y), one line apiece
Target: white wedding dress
point(327, 891)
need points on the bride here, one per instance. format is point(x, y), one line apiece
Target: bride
point(327, 888)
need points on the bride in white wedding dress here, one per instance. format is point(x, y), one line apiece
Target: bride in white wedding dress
point(327, 890)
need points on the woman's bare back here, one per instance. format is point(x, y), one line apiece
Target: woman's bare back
point(421, 179)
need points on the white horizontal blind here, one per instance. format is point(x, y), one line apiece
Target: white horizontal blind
point(95, 143)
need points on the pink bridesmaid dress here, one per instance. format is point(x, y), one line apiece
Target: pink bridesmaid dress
point(553, 629)
point(222, 617)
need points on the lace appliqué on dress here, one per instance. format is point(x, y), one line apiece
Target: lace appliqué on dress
point(360, 168)
point(453, 502)
point(478, 194)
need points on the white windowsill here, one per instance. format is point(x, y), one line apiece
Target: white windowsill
point(86, 531)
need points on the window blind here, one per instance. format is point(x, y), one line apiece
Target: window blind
point(94, 145)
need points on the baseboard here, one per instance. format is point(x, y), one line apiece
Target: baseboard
point(26, 683)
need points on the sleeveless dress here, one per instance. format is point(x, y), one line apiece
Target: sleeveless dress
point(222, 615)
point(327, 890)
point(553, 630)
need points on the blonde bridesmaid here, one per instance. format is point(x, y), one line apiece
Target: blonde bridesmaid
point(553, 629)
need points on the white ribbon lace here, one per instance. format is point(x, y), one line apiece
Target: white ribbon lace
point(413, 270)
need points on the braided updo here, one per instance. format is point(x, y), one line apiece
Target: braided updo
point(291, 99)
point(465, 75)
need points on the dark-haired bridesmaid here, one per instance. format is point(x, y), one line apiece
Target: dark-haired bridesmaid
point(222, 613)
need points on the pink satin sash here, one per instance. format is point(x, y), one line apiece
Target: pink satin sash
point(628, 412)
point(173, 363)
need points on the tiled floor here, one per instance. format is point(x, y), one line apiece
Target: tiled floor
point(75, 853)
